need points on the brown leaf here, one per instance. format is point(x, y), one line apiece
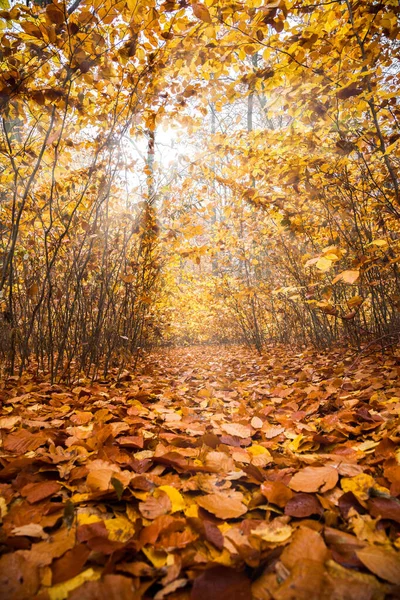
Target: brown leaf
point(385, 508)
point(222, 506)
point(276, 492)
point(221, 583)
point(161, 524)
point(176, 539)
point(81, 417)
point(382, 562)
point(347, 502)
point(69, 565)
point(271, 431)
point(100, 479)
point(304, 582)
point(91, 530)
point(43, 553)
point(349, 91)
point(23, 441)
point(155, 507)
point(314, 479)
point(55, 14)
point(303, 505)
point(19, 578)
point(35, 492)
point(341, 583)
point(131, 441)
point(201, 12)
point(171, 587)
point(306, 544)
point(110, 587)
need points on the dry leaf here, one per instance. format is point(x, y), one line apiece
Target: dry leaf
point(382, 562)
point(314, 479)
point(223, 506)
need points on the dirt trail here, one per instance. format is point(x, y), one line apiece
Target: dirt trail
point(211, 472)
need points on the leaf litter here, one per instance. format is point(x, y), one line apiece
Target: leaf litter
point(205, 474)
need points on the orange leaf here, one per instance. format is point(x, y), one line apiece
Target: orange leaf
point(305, 544)
point(314, 479)
point(382, 562)
point(276, 492)
point(223, 506)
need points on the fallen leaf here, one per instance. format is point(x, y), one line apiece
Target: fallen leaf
point(274, 532)
point(23, 441)
point(314, 479)
point(177, 501)
point(276, 492)
point(222, 506)
point(35, 492)
point(110, 587)
point(19, 578)
point(31, 530)
point(222, 583)
point(306, 544)
point(236, 429)
point(303, 505)
point(361, 486)
point(382, 562)
point(256, 423)
point(62, 590)
point(303, 583)
point(9, 422)
point(155, 507)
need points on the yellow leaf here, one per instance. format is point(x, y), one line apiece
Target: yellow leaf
point(157, 558)
point(120, 529)
point(300, 444)
point(177, 501)
point(256, 450)
point(87, 519)
point(274, 532)
point(379, 243)
point(3, 508)
point(223, 558)
point(323, 264)
point(361, 485)
point(62, 590)
point(355, 301)
point(192, 511)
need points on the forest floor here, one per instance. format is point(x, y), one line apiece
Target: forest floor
point(211, 473)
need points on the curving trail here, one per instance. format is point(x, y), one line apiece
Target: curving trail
point(210, 473)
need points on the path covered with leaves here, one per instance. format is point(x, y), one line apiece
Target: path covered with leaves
point(211, 473)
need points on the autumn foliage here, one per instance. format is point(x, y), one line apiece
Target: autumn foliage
point(178, 180)
point(222, 476)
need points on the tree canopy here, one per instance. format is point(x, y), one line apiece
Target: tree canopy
point(277, 217)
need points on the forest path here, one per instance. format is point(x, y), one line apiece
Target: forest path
point(210, 473)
